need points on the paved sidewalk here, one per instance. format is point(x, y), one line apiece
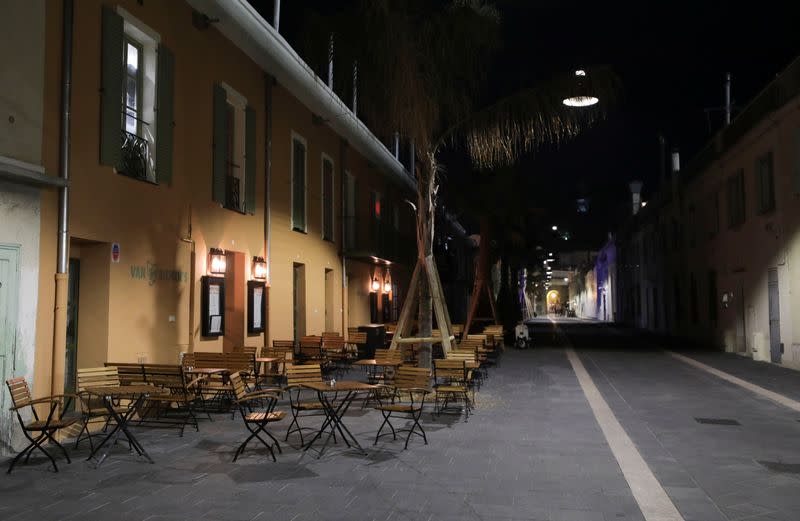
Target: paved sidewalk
point(532, 450)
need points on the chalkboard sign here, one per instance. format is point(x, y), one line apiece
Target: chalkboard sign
point(212, 306)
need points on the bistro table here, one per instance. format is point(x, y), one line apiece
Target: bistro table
point(335, 408)
point(370, 364)
point(138, 394)
point(260, 361)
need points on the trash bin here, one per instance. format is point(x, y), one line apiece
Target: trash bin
point(376, 339)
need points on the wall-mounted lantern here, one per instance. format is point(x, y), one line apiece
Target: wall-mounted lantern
point(376, 285)
point(259, 268)
point(216, 262)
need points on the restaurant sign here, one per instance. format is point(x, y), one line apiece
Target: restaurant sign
point(152, 273)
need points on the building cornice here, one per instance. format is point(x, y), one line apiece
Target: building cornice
point(238, 21)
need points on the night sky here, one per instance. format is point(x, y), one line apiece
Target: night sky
point(671, 58)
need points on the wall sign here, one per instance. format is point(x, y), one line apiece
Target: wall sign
point(212, 306)
point(256, 306)
point(115, 252)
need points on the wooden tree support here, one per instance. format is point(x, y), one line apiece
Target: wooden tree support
point(482, 286)
point(424, 268)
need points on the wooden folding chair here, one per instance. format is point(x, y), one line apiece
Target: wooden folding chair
point(296, 375)
point(406, 399)
point(41, 429)
point(92, 407)
point(256, 421)
point(452, 380)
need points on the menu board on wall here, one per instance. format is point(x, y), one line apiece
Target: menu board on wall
point(212, 306)
point(256, 306)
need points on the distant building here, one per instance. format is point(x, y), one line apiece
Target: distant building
point(714, 255)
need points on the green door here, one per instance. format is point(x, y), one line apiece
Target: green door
point(9, 302)
point(71, 362)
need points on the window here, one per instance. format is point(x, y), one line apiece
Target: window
point(327, 199)
point(298, 184)
point(137, 87)
point(234, 177)
point(713, 214)
point(132, 92)
point(796, 161)
point(765, 184)
point(736, 202)
point(350, 211)
point(712, 295)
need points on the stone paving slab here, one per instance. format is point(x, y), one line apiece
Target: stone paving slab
point(711, 472)
point(531, 450)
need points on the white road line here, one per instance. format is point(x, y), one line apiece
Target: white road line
point(653, 500)
point(766, 393)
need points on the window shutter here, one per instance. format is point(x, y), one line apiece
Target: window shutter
point(299, 187)
point(249, 160)
point(165, 91)
point(111, 89)
point(220, 159)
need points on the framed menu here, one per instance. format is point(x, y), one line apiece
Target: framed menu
point(256, 306)
point(212, 306)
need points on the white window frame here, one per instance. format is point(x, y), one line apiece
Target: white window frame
point(237, 158)
point(301, 139)
point(326, 157)
point(148, 39)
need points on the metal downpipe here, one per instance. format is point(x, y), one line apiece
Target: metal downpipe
point(62, 276)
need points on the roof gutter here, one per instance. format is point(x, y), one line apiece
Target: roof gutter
point(247, 29)
point(28, 173)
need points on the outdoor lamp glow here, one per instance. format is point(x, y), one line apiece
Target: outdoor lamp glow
point(387, 286)
point(376, 284)
point(581, 97)
point(566, 279)
point(555, 228)
point(216, 261)
point(259, 268)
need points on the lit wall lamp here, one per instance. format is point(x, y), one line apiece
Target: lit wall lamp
point(376, 285)
point(216, 262)
point(387, 286)
point(259, 268)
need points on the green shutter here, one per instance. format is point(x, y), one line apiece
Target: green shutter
point(299, 186)
point(111, 89)
point(249, 160)
point(165, 92)
point(220, 159)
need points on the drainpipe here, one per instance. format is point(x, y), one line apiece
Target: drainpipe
point(355, 89)
point(192, 260)
point(330, 62)
point(342, 185)
point(727, 99)
point(62, 275)
point(269, 83)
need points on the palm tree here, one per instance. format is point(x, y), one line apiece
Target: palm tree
point(422, 72)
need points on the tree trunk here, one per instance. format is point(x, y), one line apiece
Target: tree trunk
point(481, 273)
point(426, 181)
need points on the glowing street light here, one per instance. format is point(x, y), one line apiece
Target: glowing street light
point(554, 228)
point(581, 97)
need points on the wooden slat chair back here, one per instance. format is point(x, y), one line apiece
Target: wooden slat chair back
point(357, 337)
point(129, 373)
point(335, 349)
point(300, 374)
point(389, 355)
point(92, 406)
point(408, 377)
point(466, 355)
point(284, 344)
point(42, 426)
point(187, 360)
point(326, 335)
point(351, 331)
point(452, 380)
point(296, 376)
point(174, 388)
point(458, 329)
point(233, 362)
point(248, 350)
point(310, 348)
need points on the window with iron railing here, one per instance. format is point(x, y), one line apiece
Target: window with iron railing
point(135, 149)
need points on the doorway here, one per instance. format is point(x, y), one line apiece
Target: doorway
point(774, 316)
point(9, 301)
point(73, 298)
point(299, 300)
point(235, 287)
point(329, 286)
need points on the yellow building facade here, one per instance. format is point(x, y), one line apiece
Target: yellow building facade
point(212, 145)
